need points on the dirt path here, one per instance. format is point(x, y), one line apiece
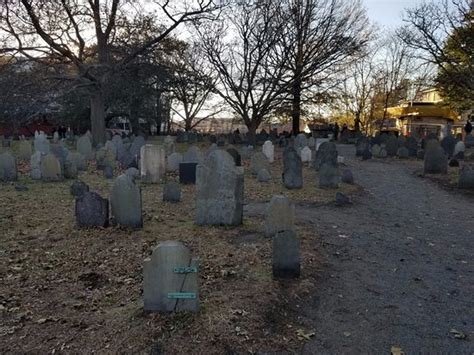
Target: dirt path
point(398, 267)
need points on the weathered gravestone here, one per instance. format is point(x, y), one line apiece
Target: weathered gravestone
point(259, 161)
point(70, 169)
point(219, 190)
point(92, 210)
point(362, 145)
point(280, 216)
point(448, 143)
point(466, 178)
point(347, 177)
point(326, 153)
point(35, 165)
point(459, 150)
point(292, 169)
point(341, 199)
point(168, 144)
point(469, 141)
point(172, 192)
point(269, 151)
point(306, 155)
point(152, 163)
point(108, 172)
point(170, 279)
point(235, 155)
point(8, 170)
point(193, 155)
point(50, 168)
point(403, 153)
point(84, 146)
point(41, 143)
point(59, 152)
point(187, 173)
point(111, 147)
point(391, 145)
point(300, 141)
point(105, 157)
point(173, 161)
point(376, 150)
point(412, 145)
point(136, 147)
point(78, 159)
point(133, 173)
point(126, 203)
point(311, 142)
point(286, 255)
point(25, 150)
point(263, 176)
point(78, 188)
point(329, 176)
point(435, 160)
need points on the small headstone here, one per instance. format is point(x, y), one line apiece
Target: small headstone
point(366, 154)
point(280, 216)
point(412, 145)
point(152, 163)
point(219, 190)
point(133, 173)
point(135, 148)
point(292, 169)
point(108, 172)
point(376, 150)
point(187, 173)
point(35, 164)
point(263, 176)
point(347, 177)
point(269, 151)
point(55, 137)
point(126, 203)
point(21, 187)
point(391, 145)
point(92, 210)
point(50, 168)
point(341, 199)
point(286, 255)
point(362, 145)
point(435, 161)
point(469, 141)
point(172, 192)
point(311, 142)
point(403, 153)
point(328, 176)
point(300, 141)
point(8, 170)
point(257, 162)
point(84, 146)
point(454, 163)
point(170, 279)
point(105, 157)
point(78, 188)
point(59, 152)
point(466, 178)
point(306, 155)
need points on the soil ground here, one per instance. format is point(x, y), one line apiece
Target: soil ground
point(392, 271)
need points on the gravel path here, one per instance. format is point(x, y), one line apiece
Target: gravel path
point(398, 266)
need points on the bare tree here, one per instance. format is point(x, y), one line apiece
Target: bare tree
point(322, 36)
point(243, 49)
point(81, 33)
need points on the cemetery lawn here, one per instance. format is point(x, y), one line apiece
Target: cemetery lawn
point(80, 290)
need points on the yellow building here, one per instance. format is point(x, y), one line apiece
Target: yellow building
point(424, 116)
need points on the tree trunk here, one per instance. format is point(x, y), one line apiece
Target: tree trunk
point(252, 134)
point(97, 118)
point(134, 119)
point(296, 106)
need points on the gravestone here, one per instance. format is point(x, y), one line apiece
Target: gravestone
point(459, 150)
point(168, 144)
point(328, 176)
point(235, 155)
point(41, 143)
point(105, 157)
point(133, 173)
point(435, 161)
point(454, 163)
point(172, 192)
point(448, 143)
point(300, 141)
point(376, 150)
point(246, 152)
point(187, 173)
point(292, 169)
point(50, 168)
point(152, 163)
point(35, 165)
point(135, 148)
point(403, 153)
point(170, 279)
point(108, 172)
point(59, 152)
point(259, 161)
point(269, 151)
point(78, 159)
point(391, 145)
point(469, 141)
point(280, 216)
point(92, 210)
point(327, 153)
point(70, 169)
point(347, 177)
point(466, 178)
point(193, 155)
point(263, 176)
point(320, 141)
point(362, 145)
point(341, 199)
point(126, 203)
point(120, 149)
point(109, 145)
point(286, 255)
point(366, 154)
point(311, 142)
point(412, 145)
point(219, 190)
point(24, 150)
point(84, 146)
point(8, 170)
point(306, 155)
point(173, 161)
point(78, 188)
point(192, 137)
point(55, 137)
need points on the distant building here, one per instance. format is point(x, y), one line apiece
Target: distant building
point(423, 116)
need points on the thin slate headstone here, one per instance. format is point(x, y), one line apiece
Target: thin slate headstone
point(269, 151)
point(448, 143)
point(172, 192)
point(435, 161)
point(292, 169)
point(78, 188)
point(362, 145)
point(35, 165)
point(50, 168)
point(306, 155)
point(8, 171)
point(403, 153)
point(328, 176)
point(170, 279)
point(70, 169)
point(286, 255)
point(78, 159)
point(187, 173)
point(219, 190)
point(193, 155)
point(126, 203)
point(326, 153)
point(391, 145)
point(108, 172)
point(135, 148)
point(84, 146)
point(92, 210)
point(133, 173)
point(169, 146)
point(41, 143)
point(152, 163)
point(280, 215)
point(459, 150)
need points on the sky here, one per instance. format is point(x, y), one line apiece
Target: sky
point(388, 13)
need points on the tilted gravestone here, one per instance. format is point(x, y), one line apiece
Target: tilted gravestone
point(126, 203)
point(152, 163)
point(466, 178)
point(172, 192)
point(435, 160)
point(105, 157)
point(173, 161)
point(286, 255)
point(84, 146)
point(92, 210)
point(257, 162)
point(326, 153)
point(170, 279)
point(269, 151)
point(292, 169)
point(50, 168)
point(219, 190)
point(280, 215)
point(8, 170)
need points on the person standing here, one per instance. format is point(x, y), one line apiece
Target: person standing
point(468, 127)
point(336, 131)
